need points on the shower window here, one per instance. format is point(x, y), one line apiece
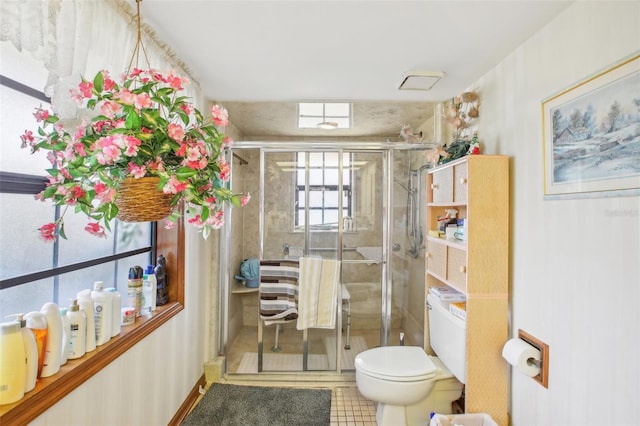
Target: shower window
point(323, 189)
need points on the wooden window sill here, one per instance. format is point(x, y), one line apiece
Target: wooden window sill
point(52, 389)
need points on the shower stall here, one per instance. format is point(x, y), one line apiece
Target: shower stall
point(338, 201)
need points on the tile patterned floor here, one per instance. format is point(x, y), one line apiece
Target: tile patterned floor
point(349, 408)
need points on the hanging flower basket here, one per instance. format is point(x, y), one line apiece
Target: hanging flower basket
point(139, 200)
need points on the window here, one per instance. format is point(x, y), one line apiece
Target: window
point(323, 189)
point(33, 273)
point(324, 115)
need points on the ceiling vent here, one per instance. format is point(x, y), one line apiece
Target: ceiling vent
point(420, 80)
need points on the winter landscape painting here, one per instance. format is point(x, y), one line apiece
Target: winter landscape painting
point(592, 134)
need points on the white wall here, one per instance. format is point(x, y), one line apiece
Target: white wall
point(575, 267)
point(149, 382)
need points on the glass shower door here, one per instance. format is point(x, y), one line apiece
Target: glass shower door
point(327, 204)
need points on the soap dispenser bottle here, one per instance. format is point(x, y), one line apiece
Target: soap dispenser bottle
point(66, 331)
point(102, 310)
point(13, 375)
point(116, 311)
point(37, 323)
point(78, 335)
point(53, 351)
point(31, 352)
point(86, 305)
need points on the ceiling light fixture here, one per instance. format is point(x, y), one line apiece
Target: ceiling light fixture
point(327, 125)
point(420, 80)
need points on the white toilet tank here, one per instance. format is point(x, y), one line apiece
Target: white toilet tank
point(448, 337)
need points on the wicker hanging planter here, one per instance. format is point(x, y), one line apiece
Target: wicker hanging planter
point(140, 200)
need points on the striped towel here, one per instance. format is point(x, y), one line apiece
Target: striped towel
point(278, 290)
point(318, 293)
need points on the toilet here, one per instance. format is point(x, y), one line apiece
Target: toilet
point(406, 383)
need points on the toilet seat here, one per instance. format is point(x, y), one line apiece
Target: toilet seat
point(396, 363)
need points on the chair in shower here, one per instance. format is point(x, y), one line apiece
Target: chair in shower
point(278, 296)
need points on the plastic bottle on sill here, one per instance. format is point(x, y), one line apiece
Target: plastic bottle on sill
point(78, 336)
point(116, 311)
point(66, 332)
point(149, 289)
point(86, 306)
point(37, 323)
point(30, 350)
point(13, 368)
point(102, 311)
point(53, 351)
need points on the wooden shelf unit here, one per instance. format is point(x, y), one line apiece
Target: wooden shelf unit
point(477, 186)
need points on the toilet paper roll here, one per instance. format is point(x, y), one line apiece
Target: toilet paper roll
point(517, 352)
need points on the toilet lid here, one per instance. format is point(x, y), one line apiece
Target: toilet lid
point(396, 363)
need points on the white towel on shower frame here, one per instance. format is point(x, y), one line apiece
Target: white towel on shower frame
point(318, 293)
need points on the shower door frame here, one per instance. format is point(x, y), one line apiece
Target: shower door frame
point(387, 150)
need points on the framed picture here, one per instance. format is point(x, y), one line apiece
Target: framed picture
point(591, 135)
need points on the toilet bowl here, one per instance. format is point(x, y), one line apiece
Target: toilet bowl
point(406, 383)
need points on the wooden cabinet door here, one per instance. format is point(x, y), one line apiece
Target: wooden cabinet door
point(442, 186)
point(460, 184)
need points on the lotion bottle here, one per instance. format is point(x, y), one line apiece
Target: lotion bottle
point(116, 312)
point(53, 351)
point(66, 331)
point(13, 374)
point(102, 311)
point(78, 335)
point(31, 352)
point(37, 323)
point(86, 306)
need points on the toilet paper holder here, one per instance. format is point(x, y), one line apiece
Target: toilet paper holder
point(543, 363)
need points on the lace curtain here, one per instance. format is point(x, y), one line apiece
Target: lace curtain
point(77, 38)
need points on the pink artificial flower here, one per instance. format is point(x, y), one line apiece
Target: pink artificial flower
point(227, 142)
point(86, 88)
point(176, 132)
point(41, 114)
point(173, 186)
point(245, 199)
point(27, 138)
point(125, 96)
point(225, 170)
point(103, 193)
point(131, 146)
point(110, 108)
point(196, 221)
point(95, 229)
point(137, 171)
point(175, 82)
point(136, 72)
point(143, 100)
point(216, 220)
point(48, 232)
point(187, 108)
point(109, 150)
point(64, 172)
point(220, 115)
point(79, 149)
point(75, 95)
point(168, 224)
point(108, 84)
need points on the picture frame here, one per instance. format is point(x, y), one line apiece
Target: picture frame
point(591, 135)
